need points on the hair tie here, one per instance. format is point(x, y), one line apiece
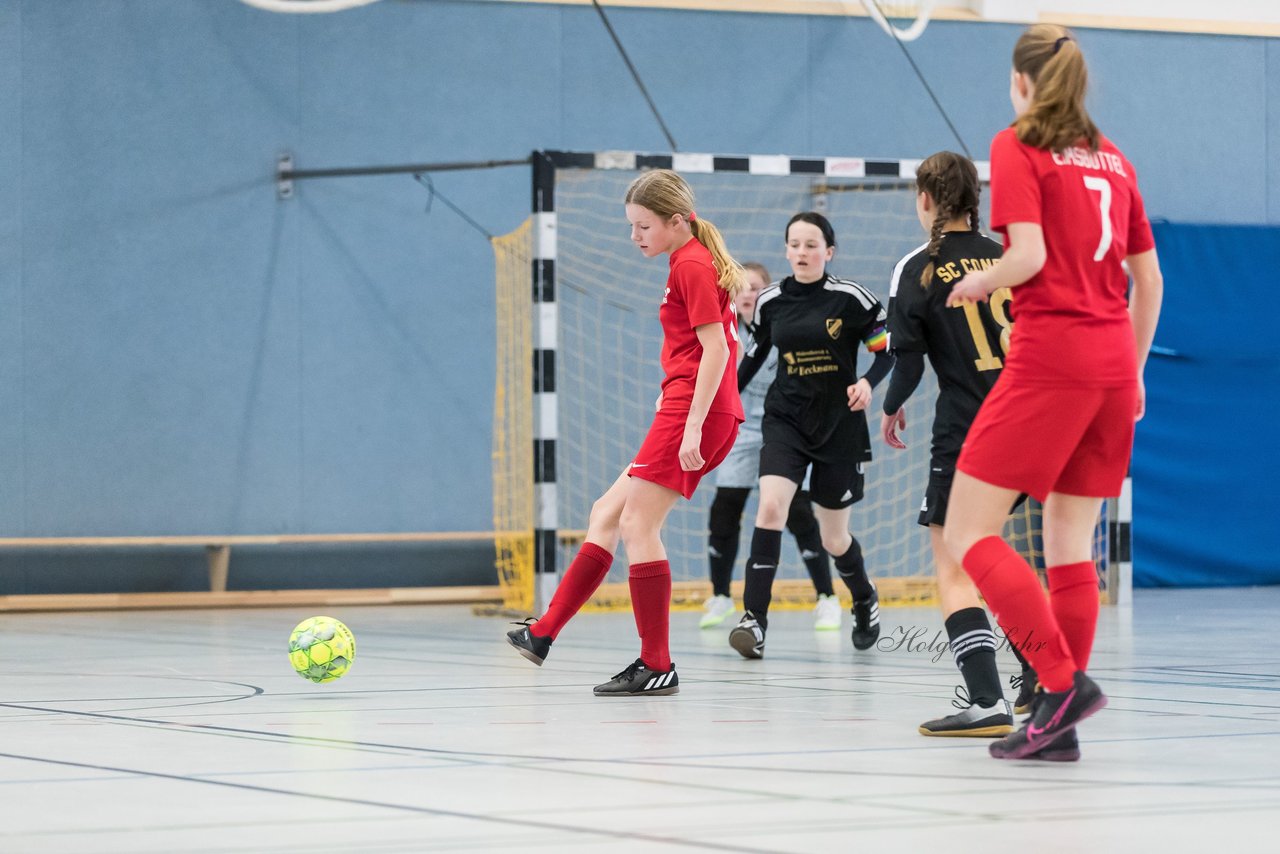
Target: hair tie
point(1057, 46)
point(692, 216)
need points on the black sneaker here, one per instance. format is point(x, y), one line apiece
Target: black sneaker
point(1064, 748)
point(638, 680)
point(866, 621)
point(748, 637)
point(972, 721)
point(528, 644)
point(1054, 714)
point(1026, 685)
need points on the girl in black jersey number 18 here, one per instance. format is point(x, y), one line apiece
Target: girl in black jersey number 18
point(966, 345)
point(814, 420)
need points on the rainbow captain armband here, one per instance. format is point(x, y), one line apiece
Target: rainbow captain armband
point(877, 340)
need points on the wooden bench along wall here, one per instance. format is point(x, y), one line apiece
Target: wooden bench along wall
point(218, 553)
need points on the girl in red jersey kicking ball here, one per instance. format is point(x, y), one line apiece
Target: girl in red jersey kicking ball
point(696, 423)
point(1059, 423)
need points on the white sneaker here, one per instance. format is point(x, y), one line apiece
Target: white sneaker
point(826, 614)
point(747, 637)
point(715, 610)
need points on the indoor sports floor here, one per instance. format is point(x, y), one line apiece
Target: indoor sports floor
point(188, 731)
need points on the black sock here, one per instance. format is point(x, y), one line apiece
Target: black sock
point(1027, 669)
point(818, 562)
point(853, 572)
point(722, 535)
point(762, 566)
point(721, 554)
point(804, 527)
point(974, 646)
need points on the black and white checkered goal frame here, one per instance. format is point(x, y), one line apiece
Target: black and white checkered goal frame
point(545, 166)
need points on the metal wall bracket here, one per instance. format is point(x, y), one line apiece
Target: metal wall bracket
point(284, 176)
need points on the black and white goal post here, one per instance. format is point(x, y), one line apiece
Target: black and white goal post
point(545, 430)
point(1119, 575)
point(596, 343)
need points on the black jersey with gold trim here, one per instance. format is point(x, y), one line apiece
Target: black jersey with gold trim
point(965, 344)
point(818, 329)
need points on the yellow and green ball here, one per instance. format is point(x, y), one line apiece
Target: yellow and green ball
point(321, 649)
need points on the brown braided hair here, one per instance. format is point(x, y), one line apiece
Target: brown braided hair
point(951, 180)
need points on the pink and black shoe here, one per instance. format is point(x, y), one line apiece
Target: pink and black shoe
point(1054, 715)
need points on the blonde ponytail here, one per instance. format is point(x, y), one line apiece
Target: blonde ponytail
point(733, 276)
point(667, 194)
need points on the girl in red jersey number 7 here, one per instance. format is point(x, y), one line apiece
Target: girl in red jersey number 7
point(697, 421)
point(1059, 423)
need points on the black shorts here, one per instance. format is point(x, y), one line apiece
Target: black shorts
point(933, 509)
point(833, 485)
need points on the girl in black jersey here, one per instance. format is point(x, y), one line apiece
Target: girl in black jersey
point(965, 345)
point(737, 476)
point(814, 418)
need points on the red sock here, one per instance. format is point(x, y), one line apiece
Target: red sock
point(1020, 607)
point(1073, 595)
point(651, 600)
point(583, 577)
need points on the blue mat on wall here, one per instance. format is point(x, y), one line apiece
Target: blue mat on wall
point(1206, 461)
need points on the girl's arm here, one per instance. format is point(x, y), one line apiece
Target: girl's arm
point(907, 371)
point(711, 367)
point(1023, 259)
point(756, 355)
point(876, 339)
point(1144, 310)
point(860, 392)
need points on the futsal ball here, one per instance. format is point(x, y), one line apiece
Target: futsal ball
point(321, 649)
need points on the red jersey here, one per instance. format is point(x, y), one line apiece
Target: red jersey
point(694, 298)
point(1071, 319)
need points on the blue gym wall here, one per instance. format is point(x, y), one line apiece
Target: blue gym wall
point(1205, 462)
point(181, 352)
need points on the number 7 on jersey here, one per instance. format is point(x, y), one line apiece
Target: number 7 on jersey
point(1103, 186)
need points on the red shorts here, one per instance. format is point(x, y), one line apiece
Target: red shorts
point(1043, 440)
point(658, 460)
